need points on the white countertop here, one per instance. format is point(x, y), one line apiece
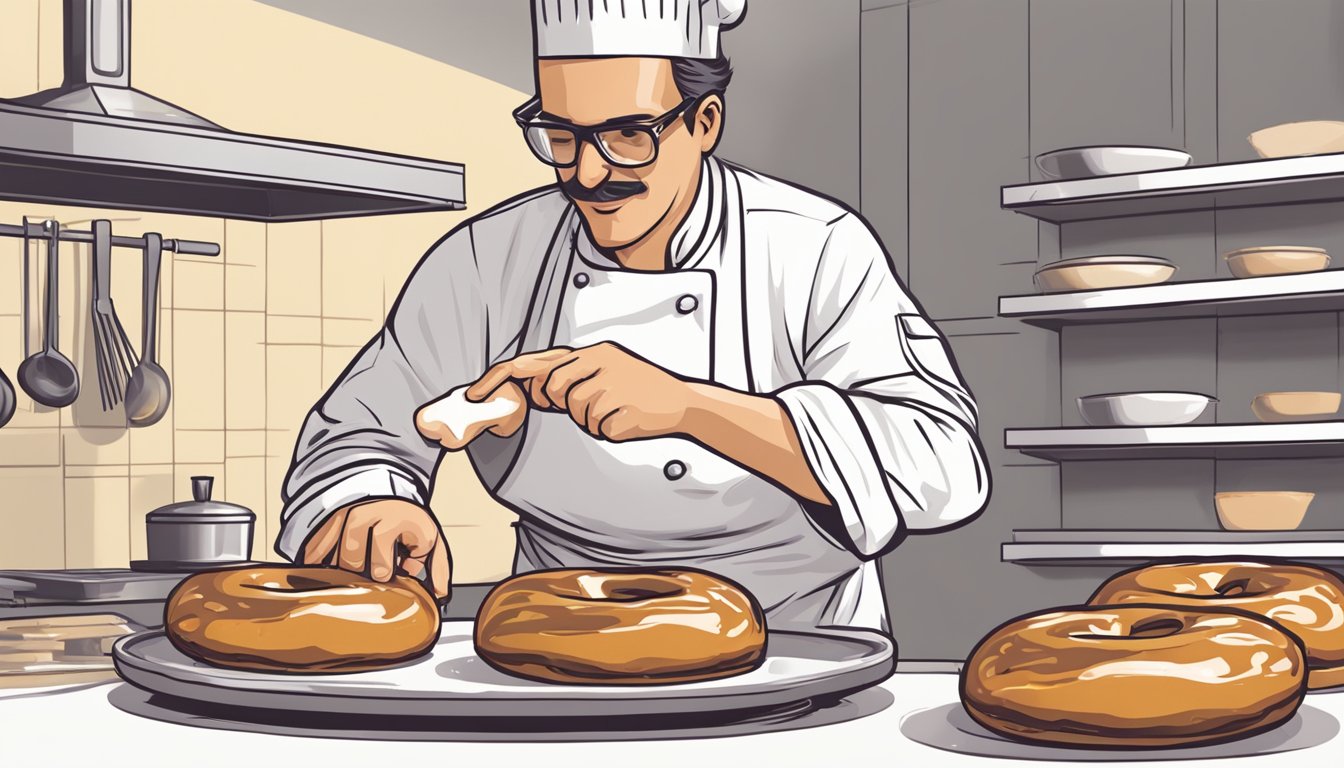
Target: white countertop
point(81, 727)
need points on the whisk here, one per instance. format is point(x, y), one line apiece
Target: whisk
point(115, 356)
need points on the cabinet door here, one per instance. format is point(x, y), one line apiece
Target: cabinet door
point(884, 137)
point(968, 136)
point(793, 106)
point(1106, 72)
point(1278, 62)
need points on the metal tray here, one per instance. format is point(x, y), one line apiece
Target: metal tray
point(92, 584)
point(184, 567)
point(452, 681)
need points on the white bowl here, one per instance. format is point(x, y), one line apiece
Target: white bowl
point(1083, 162)
point(1094, 273)
point(1143, 409)
point(1310, 137)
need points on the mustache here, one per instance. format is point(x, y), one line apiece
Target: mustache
point(606, 192)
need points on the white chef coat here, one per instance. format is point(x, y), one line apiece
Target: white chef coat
point(772, 290)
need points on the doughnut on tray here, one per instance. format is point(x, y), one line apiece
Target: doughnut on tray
point(452, 681)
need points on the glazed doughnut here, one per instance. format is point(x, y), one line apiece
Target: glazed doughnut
point(300, 619)
point(1307, 601)
point(1134, 676)
point(620, 627)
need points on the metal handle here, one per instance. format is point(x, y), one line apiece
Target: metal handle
point(49, 336)
point(36, 232)
point(192, 247)
point(27, 289)
point(150, 301)
point(102, 264)
point(201, 487)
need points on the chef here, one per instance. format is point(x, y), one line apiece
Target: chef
point(720, 370)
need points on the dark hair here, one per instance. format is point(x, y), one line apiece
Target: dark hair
point(697, 77)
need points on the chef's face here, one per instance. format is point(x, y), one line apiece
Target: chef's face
point(624, 205)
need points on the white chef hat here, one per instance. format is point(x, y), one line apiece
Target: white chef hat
point(592, 28)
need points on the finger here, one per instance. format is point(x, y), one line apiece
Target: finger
point(441, 569)
point(425, 546)
point(382, 552)
point(536, 384)
point(581, 397)
point(355, 542)
point(498, 374)
point(612, 426)
point(601, 406)
point(414, 567)
point(536, 393)
point(323, 541)
point(520, 367)
point(419, 538)
point(562, 379)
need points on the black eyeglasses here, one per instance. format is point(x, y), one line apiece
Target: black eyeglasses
point(629, 144)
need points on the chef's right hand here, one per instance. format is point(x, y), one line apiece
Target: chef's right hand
point(380, 537)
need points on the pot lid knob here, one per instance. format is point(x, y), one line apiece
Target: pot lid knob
point(201, 487)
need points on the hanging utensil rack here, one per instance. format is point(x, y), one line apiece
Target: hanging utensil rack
point(184, 247)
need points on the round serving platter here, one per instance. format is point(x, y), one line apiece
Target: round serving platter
point(452, 681)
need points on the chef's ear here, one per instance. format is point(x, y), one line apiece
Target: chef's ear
point(709, 121)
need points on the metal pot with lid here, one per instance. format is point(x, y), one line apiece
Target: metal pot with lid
point(200, 532)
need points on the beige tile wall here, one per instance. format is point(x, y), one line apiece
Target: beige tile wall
point(253, 338)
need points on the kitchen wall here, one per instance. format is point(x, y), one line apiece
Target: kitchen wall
point(253, 338)
point(958, 96)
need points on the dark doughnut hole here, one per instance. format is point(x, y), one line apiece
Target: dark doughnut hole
point(632, 594)
point(1162, 626)
point(1159, 627)
point(294, 583)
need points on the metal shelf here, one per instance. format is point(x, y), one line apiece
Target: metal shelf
point(1315, 179)
point(1324, 439)
point(1035, 547)
point(1281, 294)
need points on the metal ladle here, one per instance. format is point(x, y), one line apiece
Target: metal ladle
point(148, 392)
point(6, 399)
point(47, 375)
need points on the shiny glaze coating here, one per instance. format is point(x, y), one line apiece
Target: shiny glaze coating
point(1134, 676)
point(300, 619)
point(1307, 601)
point(620, 627)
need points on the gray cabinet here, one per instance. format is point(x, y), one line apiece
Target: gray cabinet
point(968, 102)
point(989, 85)
point(1278, 62)
point(1106, 73)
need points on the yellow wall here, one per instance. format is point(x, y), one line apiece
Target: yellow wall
point(251, 339)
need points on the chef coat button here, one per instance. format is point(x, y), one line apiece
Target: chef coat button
point(687, 304)
point(674, 470)
point(581, 279)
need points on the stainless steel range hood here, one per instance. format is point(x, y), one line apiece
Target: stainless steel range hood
point(96, 141)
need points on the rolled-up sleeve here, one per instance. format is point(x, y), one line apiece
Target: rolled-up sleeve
point(883, 416)
point(360, 440)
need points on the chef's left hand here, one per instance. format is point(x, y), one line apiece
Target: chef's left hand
point(607, 390)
